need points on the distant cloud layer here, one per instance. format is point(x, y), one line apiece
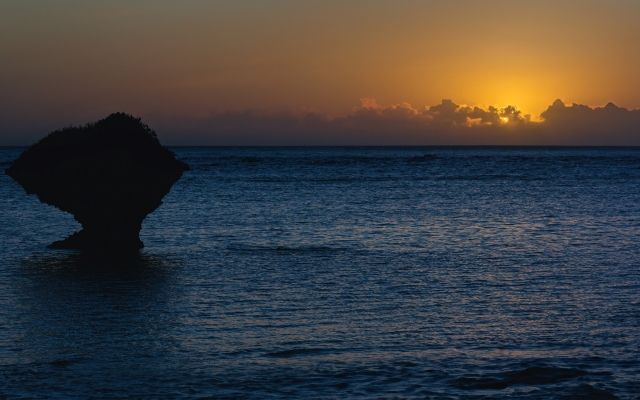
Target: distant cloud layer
point(444, 124)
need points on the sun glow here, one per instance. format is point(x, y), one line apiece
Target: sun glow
point(505, 119)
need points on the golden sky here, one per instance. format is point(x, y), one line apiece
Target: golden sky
point(76, 61)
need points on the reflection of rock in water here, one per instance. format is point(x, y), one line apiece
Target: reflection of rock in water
point(110, 175)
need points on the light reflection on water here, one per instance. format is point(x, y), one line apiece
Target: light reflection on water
point(481, 272)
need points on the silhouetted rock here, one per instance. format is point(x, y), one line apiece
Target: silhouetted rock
point(110, 175)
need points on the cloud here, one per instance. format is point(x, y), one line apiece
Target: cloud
point(446, 123)
point(369, 103)
point(608, 125)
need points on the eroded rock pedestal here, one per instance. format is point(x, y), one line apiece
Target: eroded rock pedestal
point(110, 175)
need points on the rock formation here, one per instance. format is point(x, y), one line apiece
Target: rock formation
point(110, 175)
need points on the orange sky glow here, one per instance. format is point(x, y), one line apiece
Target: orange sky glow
point(72, 61)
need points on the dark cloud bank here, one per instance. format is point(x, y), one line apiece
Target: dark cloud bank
point(444, 124)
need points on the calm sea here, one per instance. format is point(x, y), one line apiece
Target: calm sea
point(414, 272)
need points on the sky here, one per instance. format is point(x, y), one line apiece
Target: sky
point(248, 72)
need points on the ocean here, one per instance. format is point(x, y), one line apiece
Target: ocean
point(347, 272)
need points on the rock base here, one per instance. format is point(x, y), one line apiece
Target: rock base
point(81, 240)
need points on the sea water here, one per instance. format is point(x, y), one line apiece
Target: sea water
point(419, 272)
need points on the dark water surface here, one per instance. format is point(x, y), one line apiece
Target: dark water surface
point(340, 272)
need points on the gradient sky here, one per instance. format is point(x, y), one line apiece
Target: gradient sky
point(77, 61)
